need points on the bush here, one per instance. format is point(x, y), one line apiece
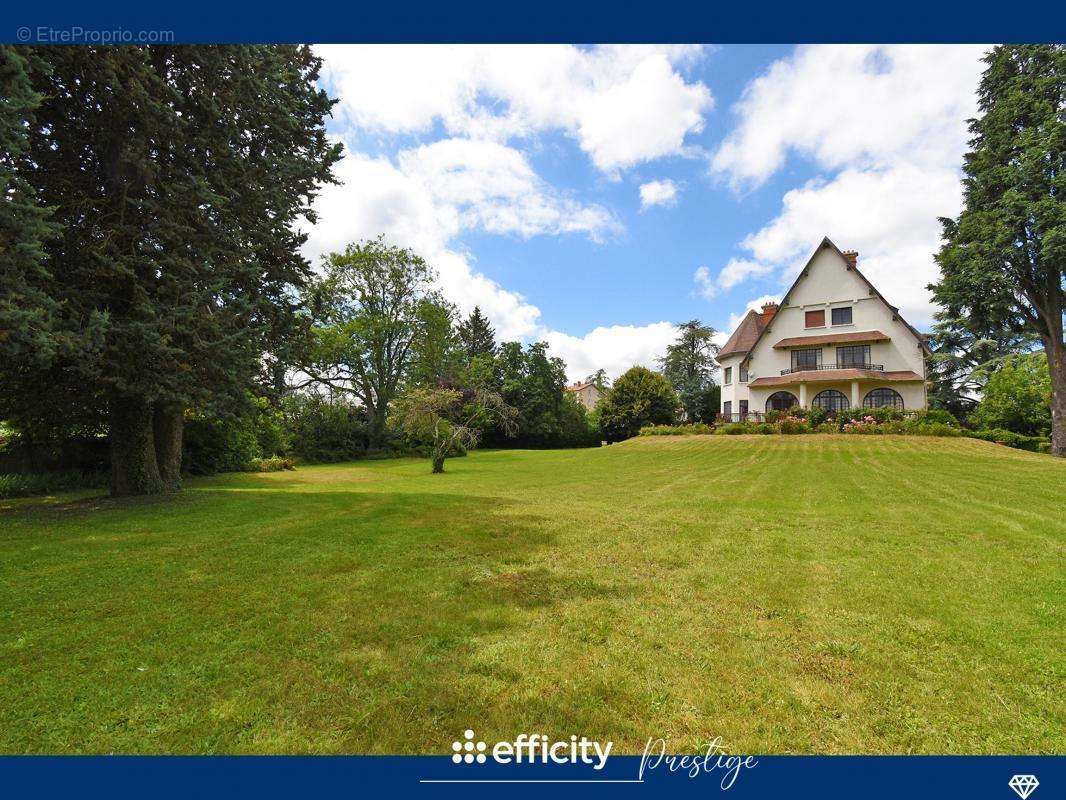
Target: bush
point(272, 464)
point(1034, 444)
point(792, 425)
point(213, 445)
point(862, 426)
point(1017, 397)
point(934, 429)
point(816, 415)
point(321, 431)
point(736, 428)
point(693, 429)
point(26, 485)
point(934, 415)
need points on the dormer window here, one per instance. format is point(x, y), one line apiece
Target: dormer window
point(814, 319)
point(842, 315)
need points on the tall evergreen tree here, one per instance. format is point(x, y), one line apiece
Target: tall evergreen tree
point(477, 336)
point(1003, 262)
point(26, 308)
point(179, 175)
point(689, 366)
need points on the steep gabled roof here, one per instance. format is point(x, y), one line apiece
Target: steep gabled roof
point(745, 336)
point(826, 242)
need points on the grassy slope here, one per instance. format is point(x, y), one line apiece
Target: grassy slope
point(807, 594)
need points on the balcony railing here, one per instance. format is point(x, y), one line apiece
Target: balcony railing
point(831, 365)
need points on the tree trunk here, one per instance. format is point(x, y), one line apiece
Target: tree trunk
point(1056, 359)
point(134, 469)
point(377, 428)
point(168, 424)
point(438, 463)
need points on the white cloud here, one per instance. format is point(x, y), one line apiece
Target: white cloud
point(889, 124)
point(888, 215)
point(658, 193)
point(429, 196)
point(623, 104)
point(614, 348)
point(486, 185)
point(854, 104)
point(705, 285)
point(733, 273)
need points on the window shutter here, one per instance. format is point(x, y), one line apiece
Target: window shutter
point(815, 319)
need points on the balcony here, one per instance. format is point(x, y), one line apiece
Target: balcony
point(833, 365)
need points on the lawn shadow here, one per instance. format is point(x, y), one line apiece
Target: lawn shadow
point(340, 615)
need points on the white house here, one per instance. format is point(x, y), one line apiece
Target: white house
point(834, 342)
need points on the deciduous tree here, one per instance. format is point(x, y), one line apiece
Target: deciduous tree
point(365, 315)
point(639, 397)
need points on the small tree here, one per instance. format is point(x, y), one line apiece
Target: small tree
point(640, 397)
point(1017, 397)
point(450, 421)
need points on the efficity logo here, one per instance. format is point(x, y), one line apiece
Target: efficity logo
point(1023, 785)
point(532, 748)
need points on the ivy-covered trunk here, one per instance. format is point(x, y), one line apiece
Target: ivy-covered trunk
point(134, 468)
point(438, 462)
point(168, 424)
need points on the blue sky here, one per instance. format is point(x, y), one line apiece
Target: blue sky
point(517, 171)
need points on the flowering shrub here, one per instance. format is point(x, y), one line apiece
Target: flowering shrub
point(791, 425)
point(864, 425)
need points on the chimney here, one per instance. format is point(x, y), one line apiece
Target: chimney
point(852, 257)
point(768, 311)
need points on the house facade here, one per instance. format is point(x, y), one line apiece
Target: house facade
point(585, 393)
point(834, 342)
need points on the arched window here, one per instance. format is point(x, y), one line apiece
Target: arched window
point(880, 398)
point(831, 400)
point(781, 401)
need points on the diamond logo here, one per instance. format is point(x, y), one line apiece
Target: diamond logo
point(1023, 785)
point(465, 751)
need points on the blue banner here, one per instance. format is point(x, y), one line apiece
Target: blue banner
point(554, 21)
point(754, 778)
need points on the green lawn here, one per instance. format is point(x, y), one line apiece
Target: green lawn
point(790, 594)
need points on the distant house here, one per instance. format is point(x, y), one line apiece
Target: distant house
point(585, 393)
point(834, 342)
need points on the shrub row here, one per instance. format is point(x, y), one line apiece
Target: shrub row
point(692, 429)
point(17, 485)
point(871, 421)
point(272, 464)
point(1034, 444)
